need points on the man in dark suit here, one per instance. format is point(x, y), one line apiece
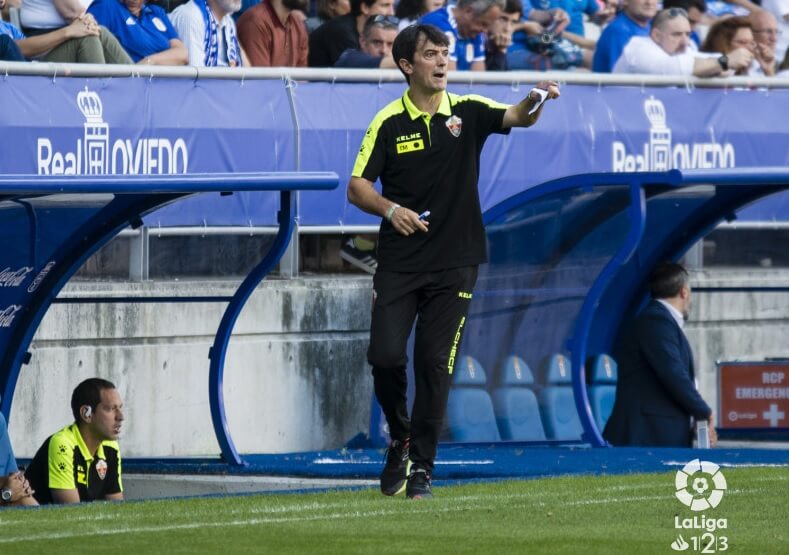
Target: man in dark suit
point(656, 396)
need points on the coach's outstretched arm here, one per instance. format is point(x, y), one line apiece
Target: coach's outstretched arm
point(521, 115)
point(362, 194)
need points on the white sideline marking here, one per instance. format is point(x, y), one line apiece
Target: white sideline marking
point(317, 506)
point(734, 465)
point(330, 516)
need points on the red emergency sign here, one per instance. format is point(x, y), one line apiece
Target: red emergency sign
point(753, 395)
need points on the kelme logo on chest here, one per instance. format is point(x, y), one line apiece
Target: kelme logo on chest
point(410, 143)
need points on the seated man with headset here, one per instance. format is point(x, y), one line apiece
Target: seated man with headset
point(82, 462)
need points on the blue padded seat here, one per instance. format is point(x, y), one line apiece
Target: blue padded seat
point(602, 391)
point(558, 370)
point(470, 414)
point(557, 403)
point(515, 404)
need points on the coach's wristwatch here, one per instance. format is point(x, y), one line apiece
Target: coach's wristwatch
point(6, 495)
point(723, 60)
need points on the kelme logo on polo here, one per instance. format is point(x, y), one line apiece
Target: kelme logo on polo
point(661, 154)
point(95, 154)
point(700, 485)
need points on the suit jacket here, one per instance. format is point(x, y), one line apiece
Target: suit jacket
point(655, 393)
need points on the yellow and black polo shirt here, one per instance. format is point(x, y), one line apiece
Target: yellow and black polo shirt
point(431, 163)
point(64, 462)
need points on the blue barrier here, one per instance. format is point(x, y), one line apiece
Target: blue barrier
point(168, 125)
point(51, 225)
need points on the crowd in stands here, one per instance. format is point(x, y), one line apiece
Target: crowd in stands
point(705, 38)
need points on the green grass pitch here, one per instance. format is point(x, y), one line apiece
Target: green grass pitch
point(589, 514)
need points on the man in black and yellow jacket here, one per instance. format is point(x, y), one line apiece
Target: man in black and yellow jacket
point(82, 462)
point(425, 148)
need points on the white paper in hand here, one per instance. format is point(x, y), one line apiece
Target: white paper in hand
point(543, 95)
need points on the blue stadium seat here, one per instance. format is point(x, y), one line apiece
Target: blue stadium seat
point(470, 414)
point(515, 404)
point(602, 391)
point(557, 404)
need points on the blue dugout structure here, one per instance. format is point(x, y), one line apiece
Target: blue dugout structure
point(51, 225)
point(569, 261)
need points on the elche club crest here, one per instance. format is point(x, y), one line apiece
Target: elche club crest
point(101, 468)
point(455, 126)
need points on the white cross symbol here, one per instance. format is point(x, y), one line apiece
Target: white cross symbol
point(773, 415)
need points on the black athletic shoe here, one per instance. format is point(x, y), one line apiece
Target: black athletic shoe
point(395, 473)
point(418, 486)
point(359, 258)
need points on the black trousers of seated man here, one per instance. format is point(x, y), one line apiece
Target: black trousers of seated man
point(439, 301)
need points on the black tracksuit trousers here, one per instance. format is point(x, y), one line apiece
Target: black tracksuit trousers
point(439, 301)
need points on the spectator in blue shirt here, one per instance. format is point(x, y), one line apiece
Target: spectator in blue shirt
point(14, 488)
point(9, 51)
point(465, 24)
point(144, 31)
point(633, 21)
point(81, 42)
point(574, 33)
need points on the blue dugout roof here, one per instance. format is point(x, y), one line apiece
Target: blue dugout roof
point(569, 260)
point(51, 225)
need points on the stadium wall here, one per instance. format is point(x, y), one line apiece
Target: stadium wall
point(296, 376)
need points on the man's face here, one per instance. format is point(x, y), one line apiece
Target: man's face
point(433, 5)
point(471, 25)
point(641, 11)
point(340, 7)
point(108, 416)
point(674, 36)
point(381, 7)
point(302, 5)
point(379, 42)
point(428, 73)
point(504, 24)
point(686, 302)
point(765, 28)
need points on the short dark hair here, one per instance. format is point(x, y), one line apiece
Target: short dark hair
point(514, 6)
point(667, 280)
point(88, 393)
point(408, 39)
point(686, 5)
point(356, 5)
